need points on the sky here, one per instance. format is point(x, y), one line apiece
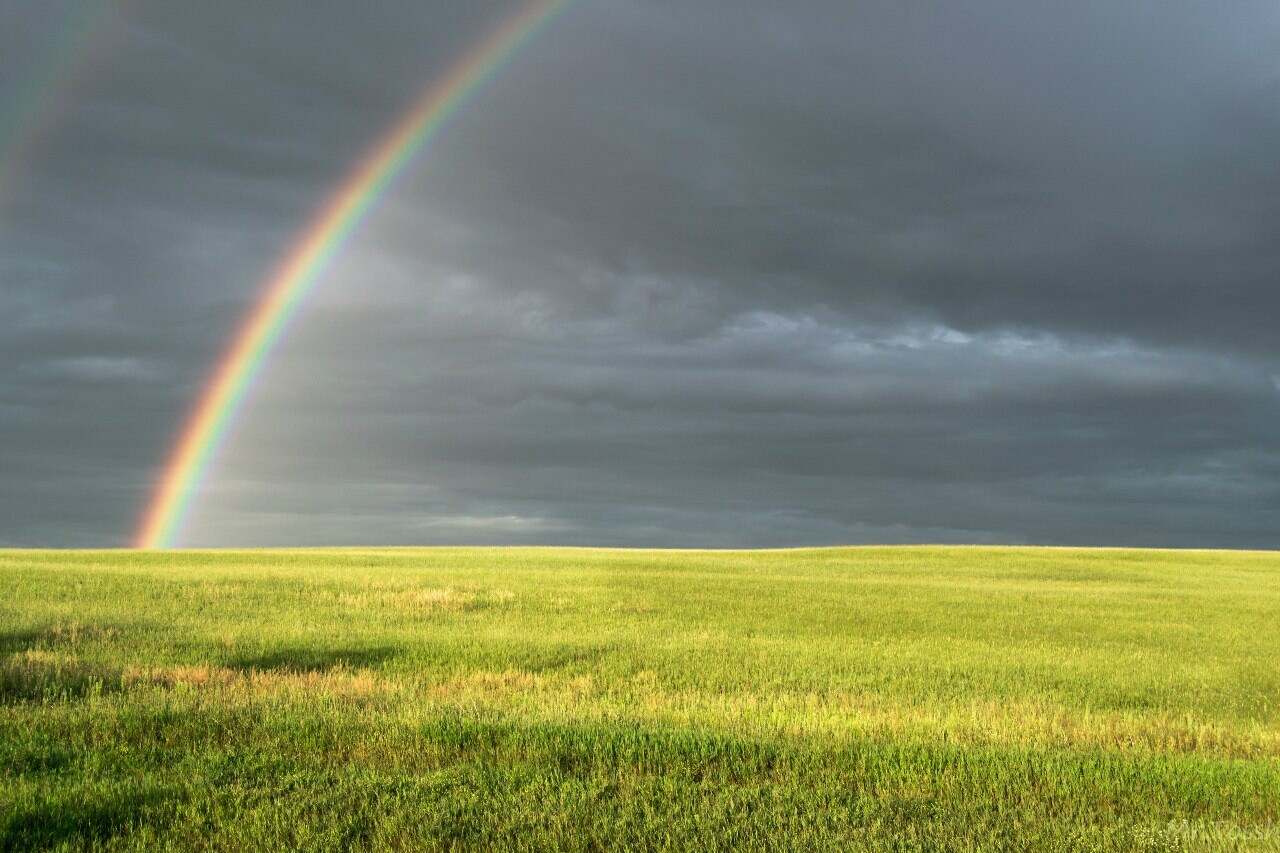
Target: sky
point(725, 274)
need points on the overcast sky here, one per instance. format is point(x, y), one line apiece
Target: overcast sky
point(724, 273)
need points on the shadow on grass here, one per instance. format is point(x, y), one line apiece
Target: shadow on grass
point(32, 674)
point(308, 660)
point(563, 658)
point(40, 665)
point(54, 681)
point(18, 641)
point(67, 821)
point(60, 635)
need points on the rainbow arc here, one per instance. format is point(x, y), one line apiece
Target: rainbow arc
point(286, 290)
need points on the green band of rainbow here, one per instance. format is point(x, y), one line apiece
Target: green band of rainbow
point(285, 291)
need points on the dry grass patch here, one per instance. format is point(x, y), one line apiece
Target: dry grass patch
point(422, 599)
point(340, 681)
point(73, 633)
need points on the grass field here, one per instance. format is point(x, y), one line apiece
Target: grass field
point(844, 699)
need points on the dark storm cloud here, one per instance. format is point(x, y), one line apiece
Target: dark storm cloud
point(738, 274)
point(1101, 170)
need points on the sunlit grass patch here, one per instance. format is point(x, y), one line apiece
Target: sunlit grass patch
point(412, 598)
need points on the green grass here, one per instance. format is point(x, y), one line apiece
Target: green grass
point(833, 699)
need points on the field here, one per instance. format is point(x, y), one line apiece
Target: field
point(829, 699)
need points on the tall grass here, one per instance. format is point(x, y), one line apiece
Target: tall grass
point(827, 699)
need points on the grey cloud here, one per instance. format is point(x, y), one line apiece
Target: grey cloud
point(729, 274)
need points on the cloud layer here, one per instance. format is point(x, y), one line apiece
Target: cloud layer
point(740, 274)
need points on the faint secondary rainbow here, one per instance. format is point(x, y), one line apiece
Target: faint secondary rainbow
point(283, 293)
point(51, 84)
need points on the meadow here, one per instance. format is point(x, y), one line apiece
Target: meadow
point(922, 698)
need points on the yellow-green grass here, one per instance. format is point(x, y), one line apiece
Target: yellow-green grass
point(827, 699)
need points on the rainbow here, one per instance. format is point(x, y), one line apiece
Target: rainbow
point(285, 291)
point(65, 67)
